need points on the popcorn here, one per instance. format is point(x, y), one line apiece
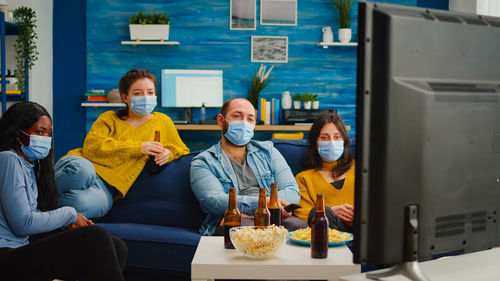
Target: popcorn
point(258, 242)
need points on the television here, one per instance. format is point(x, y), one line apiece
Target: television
point(187, 88)
point(428, 135)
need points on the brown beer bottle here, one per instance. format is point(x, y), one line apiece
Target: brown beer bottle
point(232, 218)
point(152, 166)
point(262, 213)
point(319, 230)
point(274, 206)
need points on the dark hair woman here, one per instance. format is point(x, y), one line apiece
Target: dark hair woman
point(117, 148)
point(28, 201)
point(330, 172)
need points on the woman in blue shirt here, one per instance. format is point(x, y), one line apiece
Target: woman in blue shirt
point(28, 206)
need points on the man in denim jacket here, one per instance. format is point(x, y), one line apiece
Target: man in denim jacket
point(239, 162)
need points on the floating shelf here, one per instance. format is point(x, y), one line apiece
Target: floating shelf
point(168, 43)
point(102, 104)
point(325, 45)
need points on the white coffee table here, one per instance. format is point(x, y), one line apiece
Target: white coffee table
point(292, 262)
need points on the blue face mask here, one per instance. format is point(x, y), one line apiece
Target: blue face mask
point(240, 132)
point(39, 147)
point(330, 151)
point(143, 105)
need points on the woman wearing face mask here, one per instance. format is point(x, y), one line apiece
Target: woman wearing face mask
point(28, 206)
point(330, 172)
point(117, 148)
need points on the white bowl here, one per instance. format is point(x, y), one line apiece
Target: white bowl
point(258, 242)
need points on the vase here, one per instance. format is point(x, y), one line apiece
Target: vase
point(296, 104)
point(315, 104)
point(345, 35)
point(114, 96)
point(327, 34)
point(307, 104)
point(286, 100)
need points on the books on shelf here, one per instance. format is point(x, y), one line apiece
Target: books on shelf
point(96, 96)
point(269, 111)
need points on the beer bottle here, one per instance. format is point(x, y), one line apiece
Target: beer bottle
point(274, 206)
point(152, 166)
point(232, 218)
point(319, 230)
point(262, 213)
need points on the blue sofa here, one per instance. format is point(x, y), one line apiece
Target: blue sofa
point(160, 217)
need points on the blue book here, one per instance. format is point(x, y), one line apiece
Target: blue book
point(277, 112)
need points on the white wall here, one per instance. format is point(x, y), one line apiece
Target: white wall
point(41, 73)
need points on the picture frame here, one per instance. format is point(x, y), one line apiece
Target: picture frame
point(278, 12)
point(243, 15)
point(269, 49)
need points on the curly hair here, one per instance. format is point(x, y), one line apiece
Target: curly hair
point(126, 81)
point(313, 160)
point(20, 117)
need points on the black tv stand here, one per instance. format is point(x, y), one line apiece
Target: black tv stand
point(410, 267)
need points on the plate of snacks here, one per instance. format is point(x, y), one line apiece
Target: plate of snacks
point(335, 237)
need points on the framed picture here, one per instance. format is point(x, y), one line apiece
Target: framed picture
point(269, 49)
point(278, 12)
point(242, 15)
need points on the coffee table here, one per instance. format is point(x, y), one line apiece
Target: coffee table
point(292, 262)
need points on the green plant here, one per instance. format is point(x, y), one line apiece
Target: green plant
point(297, 97)
point(142, 18)
point(259, 81)
point(316, 98)
point(25, 47)
point(343, 6)
point(307, 97)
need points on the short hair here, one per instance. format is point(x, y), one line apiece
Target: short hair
point(227, 103)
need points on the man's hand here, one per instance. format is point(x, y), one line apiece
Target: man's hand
point(284, 213)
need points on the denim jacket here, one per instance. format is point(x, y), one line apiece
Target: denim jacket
point(212, 175)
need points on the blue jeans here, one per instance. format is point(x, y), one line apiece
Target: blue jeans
point(80, 187)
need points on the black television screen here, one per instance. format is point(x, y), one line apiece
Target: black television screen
point(428, 133)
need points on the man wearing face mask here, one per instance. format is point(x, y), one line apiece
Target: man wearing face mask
point(240, 162)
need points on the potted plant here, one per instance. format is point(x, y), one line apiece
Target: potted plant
point(149, 27)
point(344, 6)
point(25, 46)
point(296, 101)
point(315, 103)
point(259, 82)
point(307, 99)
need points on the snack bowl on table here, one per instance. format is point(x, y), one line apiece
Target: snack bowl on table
point(258, 242)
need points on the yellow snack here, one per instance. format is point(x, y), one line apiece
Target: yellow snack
point(333, 235)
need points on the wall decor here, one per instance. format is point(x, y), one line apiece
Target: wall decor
point(269, 49)
point(242, 15)
point(278, 12)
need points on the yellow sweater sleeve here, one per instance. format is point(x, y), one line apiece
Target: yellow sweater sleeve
point(102, 147)
point(307, 195)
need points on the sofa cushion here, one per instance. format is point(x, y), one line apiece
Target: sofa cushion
point(294, 152)
point(157, 247)
point(160, 199)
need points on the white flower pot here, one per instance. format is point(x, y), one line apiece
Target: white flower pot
point(315, 104)
point(149, 31)
point(345, 35)
point(296, 104)
point(286, 100)
point(307, 104)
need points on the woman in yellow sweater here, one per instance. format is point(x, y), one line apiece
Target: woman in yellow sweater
point(330, 172)
point(117, 148)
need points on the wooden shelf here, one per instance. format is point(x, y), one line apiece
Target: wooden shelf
point(325, 45)
point(102, 104)
point(198, 127)
point(168, 43)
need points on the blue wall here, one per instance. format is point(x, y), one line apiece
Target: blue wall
point(202, 28)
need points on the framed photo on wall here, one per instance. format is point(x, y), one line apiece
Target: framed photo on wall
point(269, 49)
point(242, 15)
point(278, 12)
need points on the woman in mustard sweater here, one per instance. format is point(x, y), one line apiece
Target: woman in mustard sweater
point(117, 148)
point(330, 172)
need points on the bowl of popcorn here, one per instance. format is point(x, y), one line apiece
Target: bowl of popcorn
point(258, 242)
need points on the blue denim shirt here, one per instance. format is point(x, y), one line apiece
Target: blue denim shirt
point(212, 175)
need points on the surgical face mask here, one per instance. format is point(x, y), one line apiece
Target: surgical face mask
point(330, 151)
point(239, 132)
point(38, 148)
point(143, 105)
